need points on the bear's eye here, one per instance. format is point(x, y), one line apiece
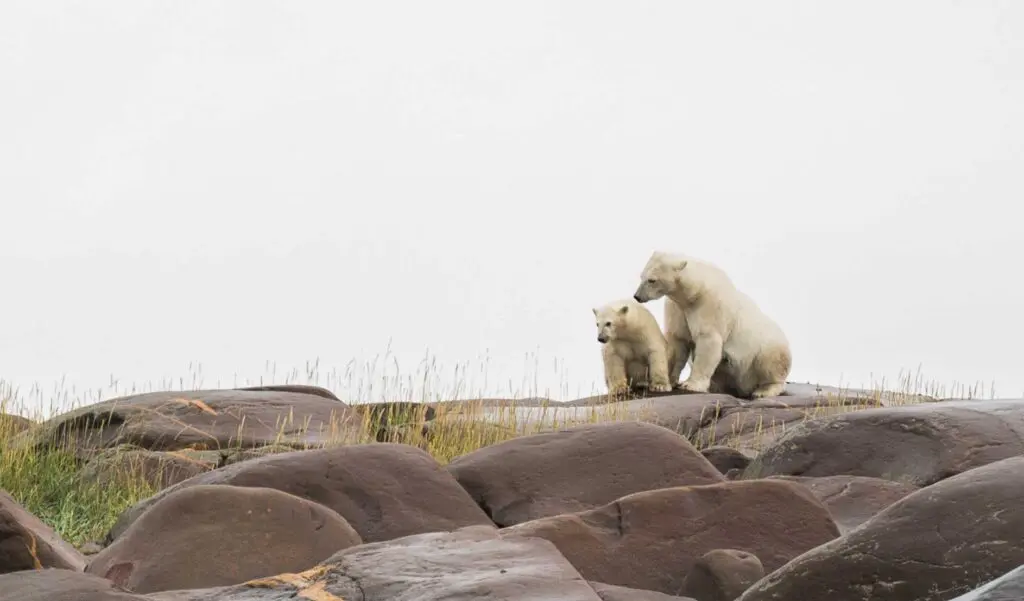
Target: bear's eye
point(652, 281)
point(607, 323)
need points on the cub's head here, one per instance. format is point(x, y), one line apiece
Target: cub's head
point(610, 319)
point(659, 276)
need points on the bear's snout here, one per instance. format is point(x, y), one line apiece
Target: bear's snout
point(602, 338)
point(637, 298)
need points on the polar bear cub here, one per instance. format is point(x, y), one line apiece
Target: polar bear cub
point(635, 351)
point(733, 347)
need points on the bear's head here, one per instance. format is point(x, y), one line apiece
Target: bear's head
point(659, 277)
point(610, 318)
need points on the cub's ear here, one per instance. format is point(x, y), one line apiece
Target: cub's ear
point(594, 309)
point(624, 309)
point(680, 265)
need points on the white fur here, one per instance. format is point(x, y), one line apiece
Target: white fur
point(635, 352)
point(732, 345)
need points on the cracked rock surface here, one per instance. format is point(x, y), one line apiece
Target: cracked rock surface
point(650, 540)
point(469, 563)
point(934, 544)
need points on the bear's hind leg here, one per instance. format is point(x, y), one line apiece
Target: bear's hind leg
point(772, 367)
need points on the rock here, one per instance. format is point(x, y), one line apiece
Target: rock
point(127, 464)
point(383, 490)
point(754, 425)
point(576, 469)
point(705, 419)
point(247, 454)
point(610, 592)
point(853, 500)
point(205, 536)
point(27, 543)
point(469, 563)
point(1009, 587)
point(203, 419)
point(931, 545)
point(913, 444)
point(61, 585)
point(300, 388)
point(650, 540)
point(722, 575)
point(725, 458)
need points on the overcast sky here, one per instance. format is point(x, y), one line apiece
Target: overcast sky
point(232, 183)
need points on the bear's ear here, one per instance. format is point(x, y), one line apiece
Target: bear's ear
point(623, 309)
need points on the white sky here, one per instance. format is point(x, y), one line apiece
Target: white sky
point(232, 183)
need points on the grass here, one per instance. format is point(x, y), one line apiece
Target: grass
point(50, 482)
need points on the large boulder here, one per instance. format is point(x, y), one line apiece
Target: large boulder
point(61, 585)
point(26, 543)
point(205, 536)
point(914, 444)
point(650, 540)
point(932, 545)
point(384, 490)
point(1008, 587)
point(126, 464)
point(853, 500)
point(705, 419)
point(469, 563)
point(210, 419)
point(577, 469)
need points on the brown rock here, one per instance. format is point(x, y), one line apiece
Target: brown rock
point(913, 444)
point(126, 464)
point(469, 563)
point(247, 454)
point(205, 536)
point(650, 540)
point(384, 490)
point(61, 585)
point(722, 575)
point(725, 458)
point(27, 543)
point(300, 388)
point(853, 500)
point(931, 545)
point(611, 592)
point(210, 419)
point(576, 469)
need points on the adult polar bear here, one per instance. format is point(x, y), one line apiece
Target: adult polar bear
point(736, 349)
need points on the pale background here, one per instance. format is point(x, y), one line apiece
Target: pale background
point(232, 183)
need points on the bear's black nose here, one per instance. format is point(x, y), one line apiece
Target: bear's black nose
point(636, 297)
point(602, 339)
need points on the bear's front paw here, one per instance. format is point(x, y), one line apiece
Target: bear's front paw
point(664, 387)
point(695, 385)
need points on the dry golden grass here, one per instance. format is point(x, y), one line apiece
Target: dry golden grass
point(49, 482)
